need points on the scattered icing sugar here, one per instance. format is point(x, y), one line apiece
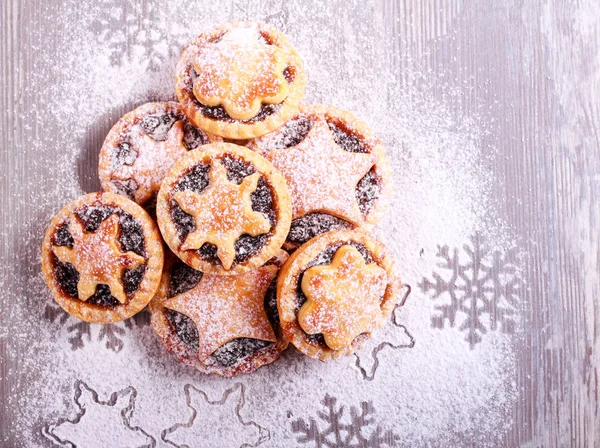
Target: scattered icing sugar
point(122, 54)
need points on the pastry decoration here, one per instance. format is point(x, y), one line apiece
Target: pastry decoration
point(334, 291)
point(342, 299)
point(241, 80)
point(98, 258)
point(226, 325)
point(240, 72)
point(337, 171)
point(224, 308)
point(224, 209)
point(102, 258)
point(222, 213)
point(143, 145)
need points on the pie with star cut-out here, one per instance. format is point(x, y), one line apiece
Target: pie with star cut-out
point(224, 209)
point(334, 291)
point(241, 80)
point(226, 325)
point(338, 172)
point(141, 147)
point(102, 258)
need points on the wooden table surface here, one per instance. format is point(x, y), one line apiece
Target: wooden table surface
point(533, 66)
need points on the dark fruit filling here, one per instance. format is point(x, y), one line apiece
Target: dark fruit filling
point(156, 126)
point(131, 238)
point(346, 140)
point(126, 187)
point(235, 351)
point(219, 113)
point(368, 188)
point(368, 191)
point(262, 201)
point(325, 257)
point(124, 155)
point(184, 278)
point(184, 328)
point(291, 133)
point(313, 224)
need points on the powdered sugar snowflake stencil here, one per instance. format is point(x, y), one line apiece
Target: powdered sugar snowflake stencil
point(394, 336)
point(127, 38)
point(358, 430)
point(82, 333)
point(477, 290)
point(99, 422)
point(213, 420)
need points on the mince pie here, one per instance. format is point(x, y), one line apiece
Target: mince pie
point(224, 209)
point(334, 291)
point(102, 258)
point(220, 324)
point(141, 147)
point(240, 80)
point(337, 171)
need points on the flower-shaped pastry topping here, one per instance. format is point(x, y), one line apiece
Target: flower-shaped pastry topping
point(222, 213)
point(240, 72)
point(225, 308)
point(154, 158)
point(98, 258)
point(343, 298)
point(322, 176)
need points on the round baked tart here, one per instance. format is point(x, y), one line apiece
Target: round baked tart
point(102, 258)
point(224, 209)
point(142, 146)
point(334, 291)
point(220, 324)
point(338, 173)
point(241, 80)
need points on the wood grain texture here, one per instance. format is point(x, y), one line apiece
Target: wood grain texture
point(534, 65)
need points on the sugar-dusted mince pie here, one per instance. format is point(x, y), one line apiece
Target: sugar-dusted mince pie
point(224, 324)
point(241, 80)
point(102, 258)
point(334, 291)
point(141, 147)
point(224, 209)
point(338, 172)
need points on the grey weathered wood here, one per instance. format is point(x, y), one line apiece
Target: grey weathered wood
point(536, 66)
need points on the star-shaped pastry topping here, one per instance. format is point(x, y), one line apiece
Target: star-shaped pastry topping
point(98, 257)
point(239, 72)
point(222, 213)
point(225, 308)
point(343, 298)
point(322, 177)
point(154, 158)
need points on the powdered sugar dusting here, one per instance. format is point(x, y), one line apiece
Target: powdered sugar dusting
point(121, 54)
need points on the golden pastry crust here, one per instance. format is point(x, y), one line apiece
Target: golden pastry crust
point(300, 261)
point(329, 183)
point(231, 84)
point(223, 210)
point(147, 160)
point(98, 273)
point(159, 307)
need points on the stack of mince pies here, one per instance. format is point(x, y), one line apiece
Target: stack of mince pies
point(264, 204)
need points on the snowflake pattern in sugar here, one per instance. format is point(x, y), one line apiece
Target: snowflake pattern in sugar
point(99, 422)
point(334, 429)
point(128, 39)
point(476, 290)
point(395, 336)
point(219, 419)
point(81, 333)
